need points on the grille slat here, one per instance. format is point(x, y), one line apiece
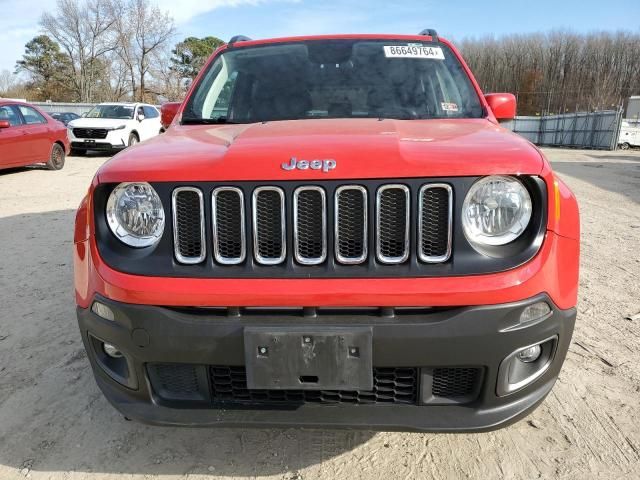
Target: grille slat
point(351, 224)
point(310, 225)
point(434, 222)
point(392, 221)
point(188, 220)
point(393, 239)
point(269, 228)
point(229, 239)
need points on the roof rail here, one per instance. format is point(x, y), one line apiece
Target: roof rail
point(431, 32)
point(239, 38)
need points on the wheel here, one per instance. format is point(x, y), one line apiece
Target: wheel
point(625, 146)
point(77, 153)
point(133, 139)
point(56, 159)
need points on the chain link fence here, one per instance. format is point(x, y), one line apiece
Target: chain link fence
point(590, 130)
point(58, 107)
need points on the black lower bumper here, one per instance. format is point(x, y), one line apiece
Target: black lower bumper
point(424, 341)
point(98, 146)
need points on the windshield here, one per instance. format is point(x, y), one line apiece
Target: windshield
point(333, 79)
point(123, 112)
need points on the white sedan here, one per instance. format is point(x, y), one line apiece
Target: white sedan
point(113, 126)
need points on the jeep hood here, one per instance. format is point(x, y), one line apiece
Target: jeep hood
point(362, 148)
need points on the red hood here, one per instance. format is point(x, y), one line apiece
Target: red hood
point(362, 148)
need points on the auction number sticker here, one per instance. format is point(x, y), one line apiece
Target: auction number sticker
point(413, 51)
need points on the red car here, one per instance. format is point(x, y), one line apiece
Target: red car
point(335, 231)
point(28, 136)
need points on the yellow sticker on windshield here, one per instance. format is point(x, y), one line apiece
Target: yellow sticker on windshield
point(413, 51)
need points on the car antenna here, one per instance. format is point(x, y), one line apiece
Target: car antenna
point(431, 32)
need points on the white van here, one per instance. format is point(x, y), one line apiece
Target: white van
point(629, 136)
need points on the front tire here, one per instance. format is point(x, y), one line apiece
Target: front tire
point(56, 158)
point(133, 139)
point(625, 146)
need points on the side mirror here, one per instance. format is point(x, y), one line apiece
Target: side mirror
point(168, 112)
point(141, 117)
point(503, 105)
point(4, 124)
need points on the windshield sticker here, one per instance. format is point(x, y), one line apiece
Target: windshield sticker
point(413, 51)
point(449, 107)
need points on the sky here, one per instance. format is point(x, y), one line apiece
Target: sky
point(453, 19)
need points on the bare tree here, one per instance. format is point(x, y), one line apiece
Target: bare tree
point(8, 80)
point(85, 32)
point(558, 71)
point(144, 32)
point(167, 83)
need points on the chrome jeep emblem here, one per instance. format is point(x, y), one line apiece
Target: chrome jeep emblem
point(324, 165)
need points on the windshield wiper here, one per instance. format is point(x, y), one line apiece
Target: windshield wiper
point(207, 121)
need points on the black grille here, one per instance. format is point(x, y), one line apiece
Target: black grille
point(338, 223)
point(390, 386)
point(351, 229)
point(268, 218)
point(310, 230)
point(435, 227)
point(455, 382)
point(229, 239)
point(227, 385)
point(98, 133)
point(175, 381)
point(189, 232)
point(393, 235)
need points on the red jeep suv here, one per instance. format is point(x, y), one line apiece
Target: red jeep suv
point(335, 231)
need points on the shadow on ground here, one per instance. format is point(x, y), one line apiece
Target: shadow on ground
point(42, 166)
point(618, 177)
point(52, 415)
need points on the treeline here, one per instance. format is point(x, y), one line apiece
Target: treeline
point(106, 50)
point(558, 71)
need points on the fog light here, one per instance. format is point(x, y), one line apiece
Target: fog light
point(530, 354)
point(535, 312)
point(111, 350)
point(103, 311)
point(524, 365)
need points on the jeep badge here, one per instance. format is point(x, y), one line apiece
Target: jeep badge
point(324, 165)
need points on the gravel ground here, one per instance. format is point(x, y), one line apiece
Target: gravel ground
point(55, 424)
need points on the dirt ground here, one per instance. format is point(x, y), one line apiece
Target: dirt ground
point(55, 424)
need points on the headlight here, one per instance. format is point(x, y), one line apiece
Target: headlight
point(135, 214)
point(496, 211)
point(119, 127)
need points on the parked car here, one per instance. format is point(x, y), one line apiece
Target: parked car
point(29, 136)
point(629, 136)
point(64, 117)
point(335, 231)
point(113, 126)
point(167, 113)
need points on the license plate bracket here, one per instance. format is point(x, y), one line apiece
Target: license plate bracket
point(299, 358)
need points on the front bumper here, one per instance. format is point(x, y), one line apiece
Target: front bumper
point(97, 145)
point(113, 141)
point(479, 336)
